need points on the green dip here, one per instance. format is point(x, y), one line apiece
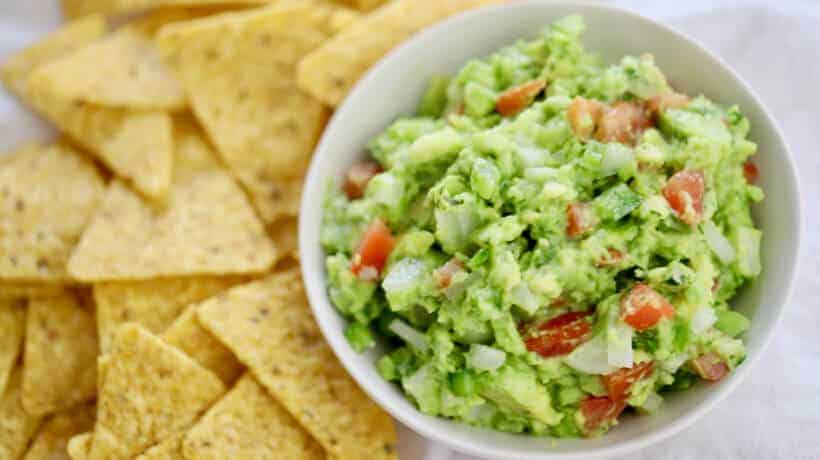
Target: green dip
point(550, 241)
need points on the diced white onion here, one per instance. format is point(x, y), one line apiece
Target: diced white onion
point(456, 288)
point(591, 357)
point(386, 188)
point(674, 363)
point(703, 319)
point(524, 298)
point(368, 274)
point(485, 358)
point(718, 243)
point(403, 275)
point(615, 157)
point(652, 403)
point(532, 156)
point(619, 345)
point(413, 337)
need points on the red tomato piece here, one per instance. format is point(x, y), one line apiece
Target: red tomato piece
point(580, 218)
point(624, 122)
point(358, 176)
point(559, 302)
point(750, 172)
point(584, 115)
point(560, 335)
point(642, 307)
point(374, 248)
point(684, 193)
point(710, 367)
point(514, 99)
point(613, 257)
point(619, 382)
point(600, 411)
point(444, 274)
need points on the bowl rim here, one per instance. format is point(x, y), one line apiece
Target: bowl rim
point(317, 293)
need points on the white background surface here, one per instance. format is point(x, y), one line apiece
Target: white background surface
point(775, 46)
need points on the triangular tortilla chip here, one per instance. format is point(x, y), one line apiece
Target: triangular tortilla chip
point(77, 8)
point(17, 426)
point(285, 234)
point(268, 325)
point(189, 336)
point(170, 449)
point(48, 197)
point(79, 446)
point(239, 71)
point(52, 439)
point(127, 73)
point(205, 227)
point(150, 391)
point(21, 290)
point(248, 423)
point(60, 354)
point(13, 327)
point(75, 34)
point(330, 72)
point(154, 304)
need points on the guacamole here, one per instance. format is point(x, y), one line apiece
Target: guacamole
point(550, 242)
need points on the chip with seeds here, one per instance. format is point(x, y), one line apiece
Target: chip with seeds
point(248, 423)
point(51, 440)
point(13, 327)
point(75, 34)
point(60, 354)
point(48, 195)
point(20, 290)
point(150, 391)
point(329, 72)
point(154, 304)
point(169, 449)
point(285, 233)
point(77, 8)
point(189, 336)
point(268, 325)
point(206, 226)
point(239, 71)
point(17, 426)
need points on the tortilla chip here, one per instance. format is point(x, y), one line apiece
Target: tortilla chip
point(154, 304)
point(205, 227)
point(75, 34)
point(330, 72)
point(239, 72)
point(47, 197)
point(170, 449)
point(249, 423)
point(13, 326)
point(269, 327)
point(77, 8)
point(17, 426)
point(189, 336)
point(52, 439)
point(79, 446)
point(285, 234)
point(128, 73)
point(60, 354)
point(15, 290)
point(150, 391)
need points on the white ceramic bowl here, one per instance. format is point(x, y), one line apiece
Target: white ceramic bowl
point(393, 88)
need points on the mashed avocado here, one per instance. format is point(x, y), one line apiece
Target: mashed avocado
point(551, 241)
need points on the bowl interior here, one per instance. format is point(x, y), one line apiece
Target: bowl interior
point(393, 89)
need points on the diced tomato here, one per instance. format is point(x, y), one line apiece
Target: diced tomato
point(613, 257)
point(444, 274)
point(559, 302)
point(642, 307)
point(358, 176)
point(710, 367)
point(750, 172)
point(375, 247)
point(580, 218)
point(619, 382)
point(560, 335)
point(600, 411)
point(684, 193)
point(624, 122)
point(584, 115)
point(658, 104)
point(514, 99)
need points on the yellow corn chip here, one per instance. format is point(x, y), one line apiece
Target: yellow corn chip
point(248, 423)
point(205, 227)
point(329, 72)
point(364, 5)
point(17, 426)
point(239, 72)
point(48, 197)
point(268, 325)
point(154, 304)
point(52, 439)
point(77, 8)
point(73, 35)
point(189, 336)
point(79, 446)
point(60, 354)
point(19, 290)
point(170, 449)
point(127, 72)
point(285, 234)
point(13, 326)
point(150, 391)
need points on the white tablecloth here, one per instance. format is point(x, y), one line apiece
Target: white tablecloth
point(775, 46)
